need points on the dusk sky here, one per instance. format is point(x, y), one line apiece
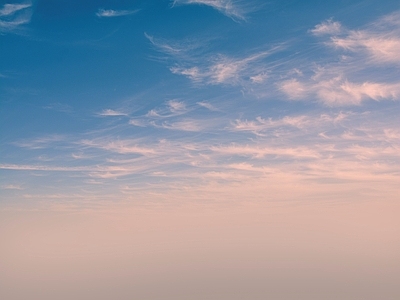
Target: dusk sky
point(200, 149)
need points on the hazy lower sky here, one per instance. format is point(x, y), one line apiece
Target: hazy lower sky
point(200, 149)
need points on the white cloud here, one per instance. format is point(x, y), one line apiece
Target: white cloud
point(265, 127)
point(119, 146)
point(207, 105)
point(261, 125)
point(380, 40)
point(193, 73)
point(327, 28)
point(337, 90)
point(293, 89)
point(390, 19)
point(12, 187)
point(172, 108)
point(357, 76)
point(111, 171)
point(184, 125)
point(381, 48)
point(259, 78)
point(201, 68)
point(153, 113)
point(108, 172)
point(164, 47)
point(392, 134)
point(42, 142)
point(111, 113)
point(226, 70)
point(338, 146)
point(176, 106)
point(14, 24)
point(42, 168)
point(107, 13)
point(343, 92)
point(136, 122)
point(261, 151)
point(78, 156)
point(227, 7)
point(10, 9)
point(181, 50)
point(14, 15)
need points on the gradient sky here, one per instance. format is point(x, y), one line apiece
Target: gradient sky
point(200, 149)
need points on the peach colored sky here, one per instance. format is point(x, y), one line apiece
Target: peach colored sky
point(319, 249)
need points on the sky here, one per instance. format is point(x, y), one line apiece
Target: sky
point(199, 149)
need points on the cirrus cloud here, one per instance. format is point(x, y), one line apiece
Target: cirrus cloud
point(109, 13)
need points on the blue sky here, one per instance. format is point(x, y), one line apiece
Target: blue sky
point(209, 149)
point(109, 96)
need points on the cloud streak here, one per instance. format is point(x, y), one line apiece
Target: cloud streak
point(111, 113)
point(10, 9)
point(120, 146)
point(12, 16)
point(227, 70)
point(305, 147)
point(110, 13)
point(338, 91)
point(11, 187)
point(226, 7)
point(261, 126)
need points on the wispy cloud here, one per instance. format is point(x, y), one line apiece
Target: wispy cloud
point(119, 146)
point(60, 107)
point(164, 46)
point(179, 116)
point(353, 77)
point(12, 16)
point(379, 47)
point(379, 41)
point(259, 78)
point(111, 113)
point(358, 74)
point(260, 152)
point(42, 142)
point(137, 122)
point(193, 60)
point(10, 9)
point(111, 171)
point(177, 106)
point(109, 13)
point(261, 126)
point(183, 125)
point(328, 27)
point(230, 8)
point(338, 91)
point(11, 187)
point(172, 108)
point(294, 89)
point(178, 49)
point(227, 70)
point(42, 168)
point(207, 105)
point(307, 147)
